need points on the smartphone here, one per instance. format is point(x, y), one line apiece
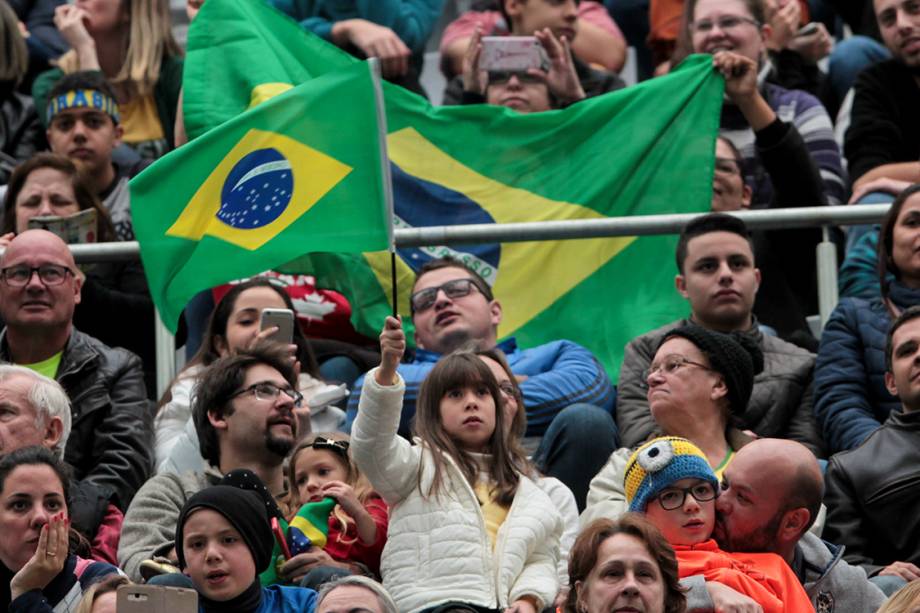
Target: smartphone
point(279, 537)
point(284, 320)
point(808, 29)
point(512, 54)
point(155, 599)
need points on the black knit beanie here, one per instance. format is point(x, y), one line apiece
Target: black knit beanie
point(735, 356)
point(245, 512)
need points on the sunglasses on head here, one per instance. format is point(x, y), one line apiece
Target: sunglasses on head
point(340, 447)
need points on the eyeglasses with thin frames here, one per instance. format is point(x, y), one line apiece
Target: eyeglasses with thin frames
point(268, 391)
point(672, 498)
point(725, 23)
point(49, 274)
point(671, 364)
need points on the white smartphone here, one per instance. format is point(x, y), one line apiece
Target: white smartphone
point(155, 599)
point(512, 54)
point(284, 320)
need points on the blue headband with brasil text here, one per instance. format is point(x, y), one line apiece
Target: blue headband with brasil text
point(83, 98)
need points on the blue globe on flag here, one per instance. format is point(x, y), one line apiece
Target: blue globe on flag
point(257, 190)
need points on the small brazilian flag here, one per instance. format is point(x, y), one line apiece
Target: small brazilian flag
point(308, 528)
point(299, 173)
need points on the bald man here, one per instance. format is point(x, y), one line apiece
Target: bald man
point(111, 435)
point(771, 496)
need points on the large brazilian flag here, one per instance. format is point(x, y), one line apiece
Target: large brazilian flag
point(645, 150)
point(300, 173)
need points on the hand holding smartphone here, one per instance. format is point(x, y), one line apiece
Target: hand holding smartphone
point(283, 319)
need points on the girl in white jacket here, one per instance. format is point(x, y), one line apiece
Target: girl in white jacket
point(466, 523)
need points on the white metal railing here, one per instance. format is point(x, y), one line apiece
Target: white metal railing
point(640, 225)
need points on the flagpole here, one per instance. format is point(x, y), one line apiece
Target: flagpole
point(380, 105)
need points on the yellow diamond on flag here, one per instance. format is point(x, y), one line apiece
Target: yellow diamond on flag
point(264, 184)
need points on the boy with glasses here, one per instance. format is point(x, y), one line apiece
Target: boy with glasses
point(669, 479)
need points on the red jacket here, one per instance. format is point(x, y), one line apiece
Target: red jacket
point(765, 577)
point(348, 547)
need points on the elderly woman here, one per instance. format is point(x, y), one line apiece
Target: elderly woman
point(698, 381)
point(51, 185)
point(851, 398)
point(646, 569)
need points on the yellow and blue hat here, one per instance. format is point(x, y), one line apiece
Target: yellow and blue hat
point(658, 464)
point(83, 98)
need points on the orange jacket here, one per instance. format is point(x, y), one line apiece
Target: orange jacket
point(765, 577)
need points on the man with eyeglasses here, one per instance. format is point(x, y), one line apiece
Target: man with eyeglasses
point(568, 397)
point(882, 143)
point(110, 443)
point(244, 417)
point(718, 276)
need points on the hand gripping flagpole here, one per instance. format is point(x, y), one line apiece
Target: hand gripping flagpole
point(380, 105)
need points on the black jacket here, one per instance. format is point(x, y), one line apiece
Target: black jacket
point(111, 437)
point(873, 496)
point(21, 134)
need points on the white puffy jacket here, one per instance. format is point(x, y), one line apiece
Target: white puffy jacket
point(437, 548)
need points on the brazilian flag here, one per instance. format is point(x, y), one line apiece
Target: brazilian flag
point(645, 150)
point(300, 173)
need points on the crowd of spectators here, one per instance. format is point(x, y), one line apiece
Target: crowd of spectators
point(742, 461)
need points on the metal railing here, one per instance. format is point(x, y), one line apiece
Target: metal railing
point(641, 225)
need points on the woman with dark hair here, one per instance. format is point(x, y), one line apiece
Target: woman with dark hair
point(21, 133)
point(39, 569)
point(851, 398)
point(646, 577)
point(52, 185)
point(234, 325)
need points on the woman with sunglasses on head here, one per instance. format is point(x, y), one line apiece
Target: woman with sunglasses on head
point(235, 324)
point(698, 384)
point(322, 467)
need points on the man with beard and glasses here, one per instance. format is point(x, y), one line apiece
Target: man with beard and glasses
point(244, 416)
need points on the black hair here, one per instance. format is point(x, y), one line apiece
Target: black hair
point(84, 79)
point(906, 316)
point(706, 224)
point(886, 264)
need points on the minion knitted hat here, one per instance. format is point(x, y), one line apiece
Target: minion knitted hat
point(658, 464)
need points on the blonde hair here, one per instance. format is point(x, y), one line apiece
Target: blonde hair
point(905, 600)
point(353, 477)
point(103, 586)
point(149, 41)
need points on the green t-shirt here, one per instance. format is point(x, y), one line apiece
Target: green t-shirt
point(47, 367)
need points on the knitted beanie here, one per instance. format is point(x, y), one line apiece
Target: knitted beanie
point(245, 512)
point(660, 463)
point(735, 356)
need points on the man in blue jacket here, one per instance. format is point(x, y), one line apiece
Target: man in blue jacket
point(567, 395)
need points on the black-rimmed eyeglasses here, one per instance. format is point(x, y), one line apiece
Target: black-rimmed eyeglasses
point(268, 391)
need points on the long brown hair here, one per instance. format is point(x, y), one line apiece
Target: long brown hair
point(82, 189)
point(460, 370)
point(583, 557)
point(886, 264)
point(353, 477)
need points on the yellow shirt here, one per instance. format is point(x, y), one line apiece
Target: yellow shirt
point(47, 367)
point(140, 120)
point(493, 512)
